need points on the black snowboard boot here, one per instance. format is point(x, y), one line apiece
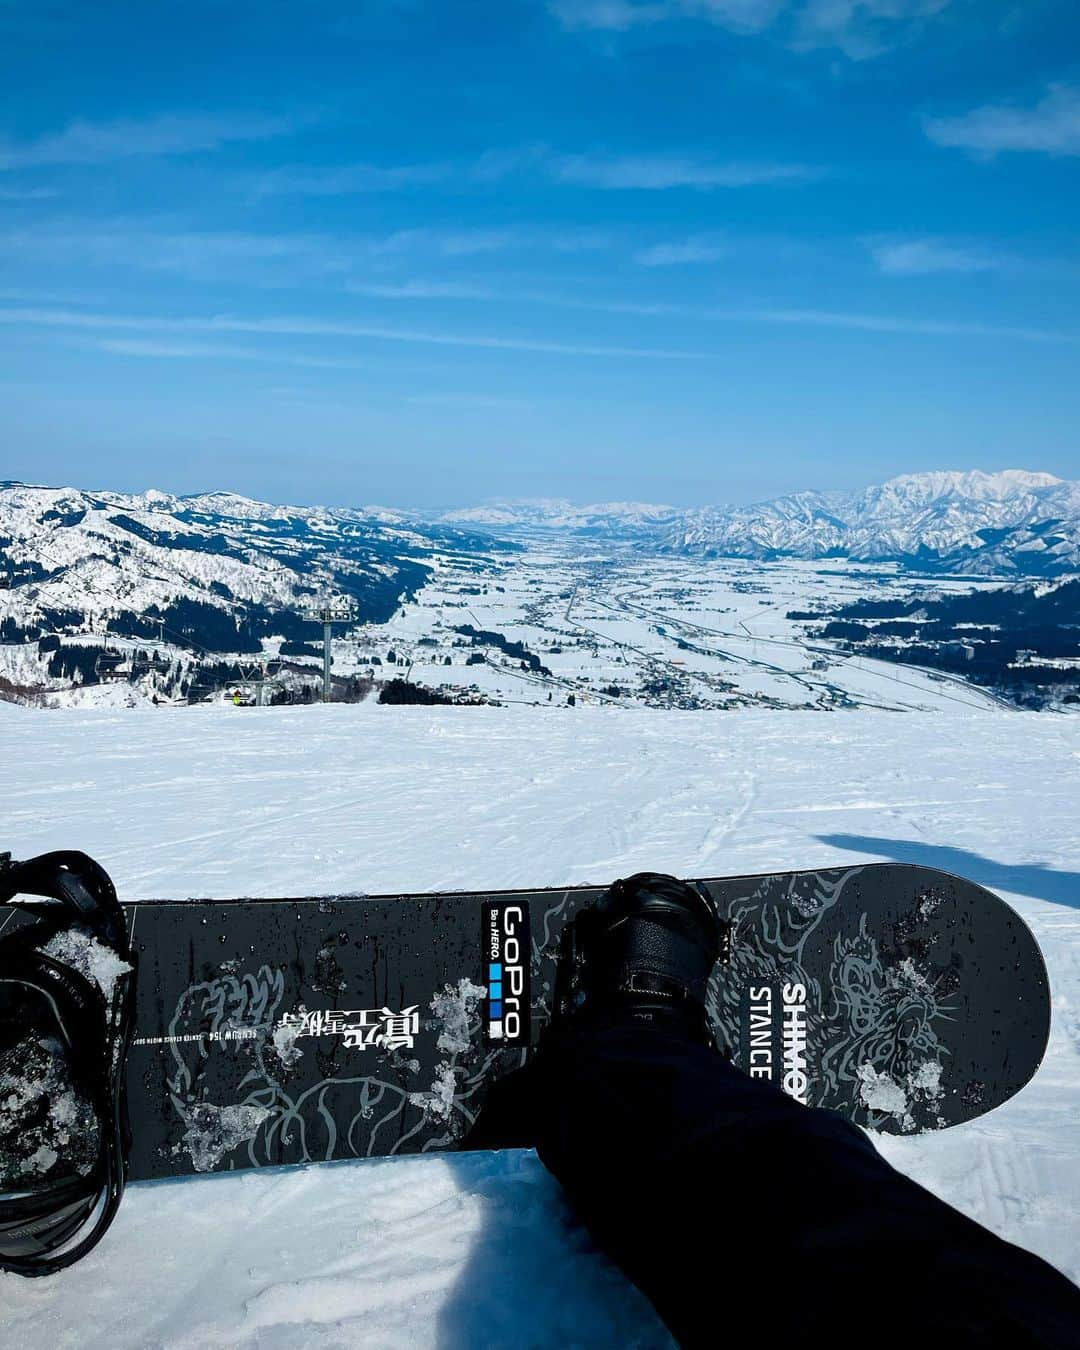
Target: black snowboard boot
point(644, 951)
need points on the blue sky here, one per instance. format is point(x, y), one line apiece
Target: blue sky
point(430, 253)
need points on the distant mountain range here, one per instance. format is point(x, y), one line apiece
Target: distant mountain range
point(1010, 523)
point(603, 519)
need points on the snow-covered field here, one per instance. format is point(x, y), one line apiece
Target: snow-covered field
point(616, 625)
point(607, 624)
point(479, 1250)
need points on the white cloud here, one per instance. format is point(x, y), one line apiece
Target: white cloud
point(267, 260)
point(1051, 126)
point(581, 241)
point(617, 15)
point(421, 290)
point(926, 257)
point(656, 171)
point(742, 15)
point(814, 318)
point(858, 28)
point(466, 243)
point(885, 323)
point(179, 331)
point(258, 259)
point(702, 248)
point(341, 180)
point(454, 400)
point(349, 179)
point(450, 243)
point(437, 290)
point(165, 350)
point(298, 326)
point(172, 351)
point(101, 142)
point(659, 172)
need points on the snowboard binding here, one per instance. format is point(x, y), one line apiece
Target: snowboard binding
point(67, 982)
point(644, 951)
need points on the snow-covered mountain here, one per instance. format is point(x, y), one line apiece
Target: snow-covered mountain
point(84, 571)
point(62, 547)
point(1013, 521)
point(611, 519)
point(1007, 522)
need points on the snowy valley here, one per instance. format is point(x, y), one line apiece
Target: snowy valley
point(107, 599)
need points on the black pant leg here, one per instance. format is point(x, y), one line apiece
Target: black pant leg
point(729, 1204)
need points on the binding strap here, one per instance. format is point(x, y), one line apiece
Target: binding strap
point(47, 1225)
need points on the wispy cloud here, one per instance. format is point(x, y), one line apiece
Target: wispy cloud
point(438, 290)
point(166, 350)
point(201, 255)
point(101, 142)
point(30, 194)
point(580, 241)
point(300, 326)
point(176, 351)
point(352, 179)
point(742, 15)
point(274, 260)
point(450, 243)
point(883, 323)
point(177, 331)
point(463, 400)
point(463, 243)
point(659, 172)
point(422, 290)
point(927, 257)
point(1051, 126)
point(655, 172)
point(702, 248)
point(337, 180)
point(908, 263)
point(858, 28)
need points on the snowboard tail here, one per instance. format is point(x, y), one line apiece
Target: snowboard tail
point(272, 1032)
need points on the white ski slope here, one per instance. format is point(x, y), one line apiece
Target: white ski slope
point(480, 1250)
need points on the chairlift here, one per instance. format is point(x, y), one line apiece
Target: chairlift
point(255, 692)
point(107, 666)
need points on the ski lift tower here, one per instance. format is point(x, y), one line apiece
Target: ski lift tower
point(328, 614)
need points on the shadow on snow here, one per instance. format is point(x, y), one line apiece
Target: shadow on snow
point(533, 1276)
point(1034, 879)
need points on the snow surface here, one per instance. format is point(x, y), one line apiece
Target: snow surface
point(480, 1250)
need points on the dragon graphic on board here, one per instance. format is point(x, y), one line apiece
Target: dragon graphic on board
point(874, 1022)
point(236, 1022)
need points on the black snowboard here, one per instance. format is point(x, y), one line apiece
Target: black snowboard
point(300, 1030)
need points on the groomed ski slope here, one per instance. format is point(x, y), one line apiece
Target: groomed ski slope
point(480, 1250)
